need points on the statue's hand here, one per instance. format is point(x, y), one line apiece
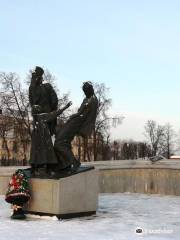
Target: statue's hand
point(69, 104)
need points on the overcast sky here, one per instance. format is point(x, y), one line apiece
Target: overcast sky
point(132, 46)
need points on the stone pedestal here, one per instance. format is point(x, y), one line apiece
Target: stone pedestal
point(75, 195)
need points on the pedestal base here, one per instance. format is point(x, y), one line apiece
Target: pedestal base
point(72, 196)
point(64, 216)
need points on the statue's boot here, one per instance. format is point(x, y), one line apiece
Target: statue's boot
point(76, 164)
point(41, 173)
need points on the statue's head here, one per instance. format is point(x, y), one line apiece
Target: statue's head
point(39, 74)
point(39, 71)
point(36, 109)
point(88, 89)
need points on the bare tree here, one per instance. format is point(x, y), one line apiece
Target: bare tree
point(6, 126)
point(14, 99)
point(169, 141)
point(104, 121)
point(155, 136)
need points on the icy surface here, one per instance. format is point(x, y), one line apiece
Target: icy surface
point(118, 217)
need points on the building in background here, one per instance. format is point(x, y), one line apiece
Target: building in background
point(14, 141)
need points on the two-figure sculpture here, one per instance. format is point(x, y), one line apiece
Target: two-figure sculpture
point(47, 158)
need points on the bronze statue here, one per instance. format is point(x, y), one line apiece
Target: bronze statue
point(44, 95)
point(81, 124)
point(43, 99)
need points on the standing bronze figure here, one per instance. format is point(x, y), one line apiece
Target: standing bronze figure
point(44, 95)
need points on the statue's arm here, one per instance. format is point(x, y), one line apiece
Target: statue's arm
point(83, 110)
point(48, 117)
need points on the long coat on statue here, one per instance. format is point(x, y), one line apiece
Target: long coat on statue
point(44, 96)
point(42, 151)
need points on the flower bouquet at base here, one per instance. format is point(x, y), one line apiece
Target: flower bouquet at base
point(18, 193)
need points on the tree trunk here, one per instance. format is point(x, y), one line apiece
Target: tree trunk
point(7, 148)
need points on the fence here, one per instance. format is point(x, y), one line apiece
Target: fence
point(13, 162)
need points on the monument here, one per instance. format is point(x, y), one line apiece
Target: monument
point(59, 184)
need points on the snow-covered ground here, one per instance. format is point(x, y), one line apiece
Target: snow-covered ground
point(118, 217)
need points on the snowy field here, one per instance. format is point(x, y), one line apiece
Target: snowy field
point(118, 217)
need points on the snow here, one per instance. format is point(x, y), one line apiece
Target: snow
point(118, 216)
